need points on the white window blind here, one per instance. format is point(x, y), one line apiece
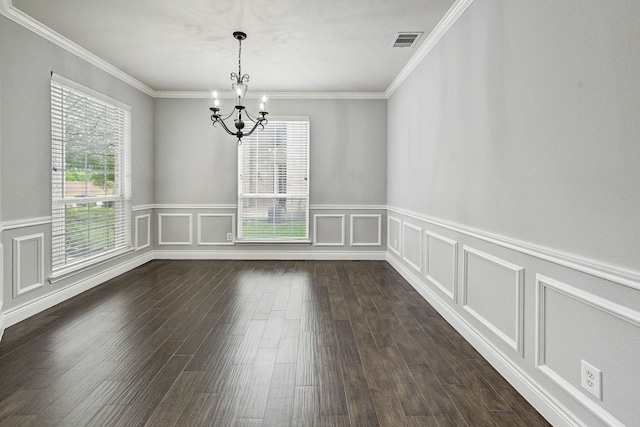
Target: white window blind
point(273, 182)
point(90, 185)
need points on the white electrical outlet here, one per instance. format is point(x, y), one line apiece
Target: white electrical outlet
point(229, 237)
point(591, 379)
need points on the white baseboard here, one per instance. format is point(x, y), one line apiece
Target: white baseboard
point(274, 255)
point(24, 311)
point(556, 413)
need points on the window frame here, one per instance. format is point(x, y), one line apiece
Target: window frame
point(122, 174)
point(278, 184)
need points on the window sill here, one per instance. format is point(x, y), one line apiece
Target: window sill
point(273, 242)
point(63, 273)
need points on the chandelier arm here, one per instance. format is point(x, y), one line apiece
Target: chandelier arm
point(258, 123)
point(217, 120)
point(233, 110)
point(252, 117)
point(255, 119)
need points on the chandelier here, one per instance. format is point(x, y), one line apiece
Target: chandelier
point(239, 88)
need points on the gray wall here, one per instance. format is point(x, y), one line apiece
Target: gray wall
point(516, 142)
point(524, 122)
point(25, 161)
point(197, 164)
point(26, 124)
point(196, 181)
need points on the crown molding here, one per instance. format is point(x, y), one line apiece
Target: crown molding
point(434, 37)
point(272, 95)
point(7, 9)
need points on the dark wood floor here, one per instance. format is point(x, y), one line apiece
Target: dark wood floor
point(221, 343)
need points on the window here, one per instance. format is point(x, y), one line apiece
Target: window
point(273, 182)
point(91, 184)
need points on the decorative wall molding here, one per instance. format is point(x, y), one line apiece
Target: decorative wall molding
point(418, 231)
point(334, 255)
point(620, 312)
point(533, 392)
point(316, 241)
point(430, 42)
point(175, 215)
point(194, 206)
point(202, 242)
point(347, 207)
point(394, 246)
point(353, 219)
point(24, 223)
point(594, 268)
point(138, 246)
point(24, 311)
point(453, 292)
point(235, 206)
point(142, 208)
point(20, 288)
point(516, 342)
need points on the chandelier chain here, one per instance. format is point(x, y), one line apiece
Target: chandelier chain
point(239, 58)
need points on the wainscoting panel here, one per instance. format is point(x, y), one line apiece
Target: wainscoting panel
point(533, 329)
point(441, 263)
point(412, 245)
point(329, 230)
point(142, 232)
point(394, 237)
point(573, 325)
point(213, 229)
point(365, 230)
point(214, 237)
point(28, 263)
point(492, 292)
point(175, 229)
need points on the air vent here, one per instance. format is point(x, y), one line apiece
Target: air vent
point(406, 39)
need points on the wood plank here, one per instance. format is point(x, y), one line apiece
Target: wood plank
point(443, 409)
point(280, 403)
point(361, 407)
point(404, 383)
point(348, 350)
point(173, 404)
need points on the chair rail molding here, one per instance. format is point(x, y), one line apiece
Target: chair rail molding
point(592, 267)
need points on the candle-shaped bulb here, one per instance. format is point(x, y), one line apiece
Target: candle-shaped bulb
point(239, 92)
point(262, 107)
point(214, 95)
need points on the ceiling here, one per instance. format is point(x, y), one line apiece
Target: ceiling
point(292, 45)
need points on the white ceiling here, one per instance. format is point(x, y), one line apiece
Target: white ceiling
point(292, 45)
